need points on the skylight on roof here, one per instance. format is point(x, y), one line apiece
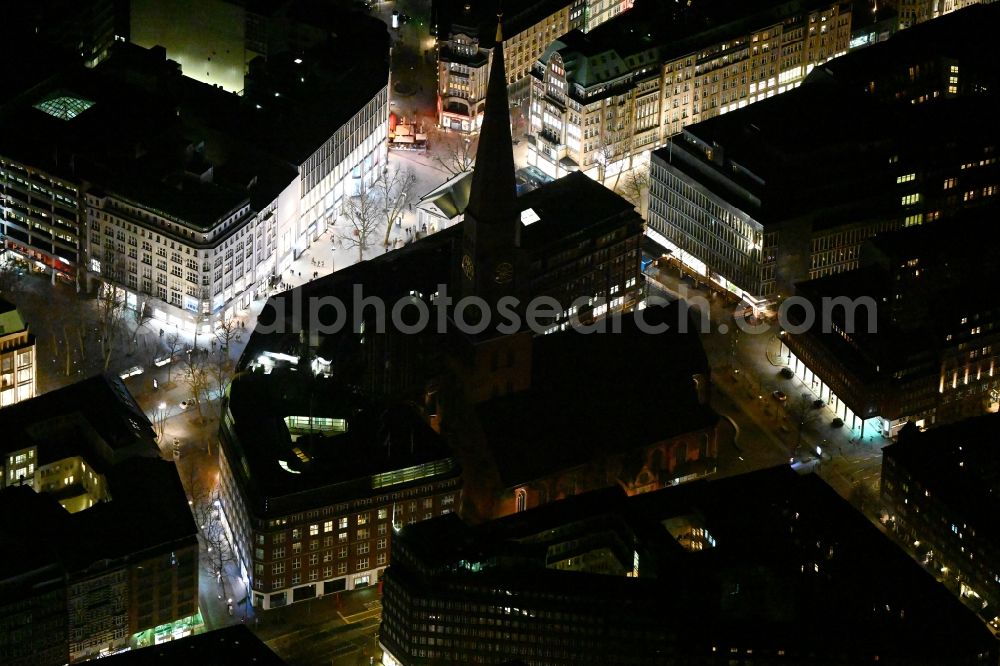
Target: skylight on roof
point(529, 216)
point(65, 107)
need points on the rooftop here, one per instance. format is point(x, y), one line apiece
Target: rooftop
point(553, 426)
point(220, 647)
point(148, 511)
point(300, 433)
point(959, 464)
point(96, 418)
point(784, 547)
point(10, 319)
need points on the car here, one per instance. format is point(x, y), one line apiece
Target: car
point(779, 396)
point(132, 372)
point(164, 360)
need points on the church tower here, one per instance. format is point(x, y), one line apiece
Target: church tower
point(488, 262)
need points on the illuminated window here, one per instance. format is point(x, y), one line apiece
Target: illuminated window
point(910, 199)
point(949, 183)
point(313, 529)
point(907, 178)
point(328, 526)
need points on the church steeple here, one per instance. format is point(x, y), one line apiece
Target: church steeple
point(493, 188)
point(492, 225)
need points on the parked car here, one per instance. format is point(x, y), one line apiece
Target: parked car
point(779, 396)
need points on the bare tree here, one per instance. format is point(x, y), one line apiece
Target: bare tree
point(227, 330)
point(111, 312)
point(205, 503)
point(394, 187)
point(633, 185)
point(172, 343)
point(802, 412)
point(455, 153)
point(363, 213)
point(198, 379)
point(112, 304)
point(221, 366)
point(10, 274)
point(139, 317)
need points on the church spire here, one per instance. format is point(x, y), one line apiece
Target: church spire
point(493, 193)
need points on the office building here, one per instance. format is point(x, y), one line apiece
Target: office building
point(907, 339)
point(192, 223)
point(17, 358)
point(716, 572)
point(100, 539)
point(315, 483)
point(215, 41)
point(757, 200)
point(602, 101)
point(939, 486)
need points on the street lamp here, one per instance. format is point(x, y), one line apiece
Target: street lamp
point(161, 417)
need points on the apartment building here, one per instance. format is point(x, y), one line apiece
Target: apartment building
point(467, 37)
point(603, 101)
point(17, 358)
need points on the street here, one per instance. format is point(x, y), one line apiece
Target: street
point(746, 372)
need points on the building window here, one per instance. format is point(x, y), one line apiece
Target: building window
point(362, 564)
point(342, 568)
point(296, 534)
point(343, 523)
point(380, 545)
point(363, 518)
point(313, 529)
point(521, 499)
point(380, 559)
point(383, 513)
point(328, 526)
point(342, 553)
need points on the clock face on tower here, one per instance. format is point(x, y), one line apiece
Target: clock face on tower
point(504, 272)
point(467, 267)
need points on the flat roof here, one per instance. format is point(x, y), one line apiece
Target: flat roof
point(786, 547)
point(959, 464)
point(64, 423)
